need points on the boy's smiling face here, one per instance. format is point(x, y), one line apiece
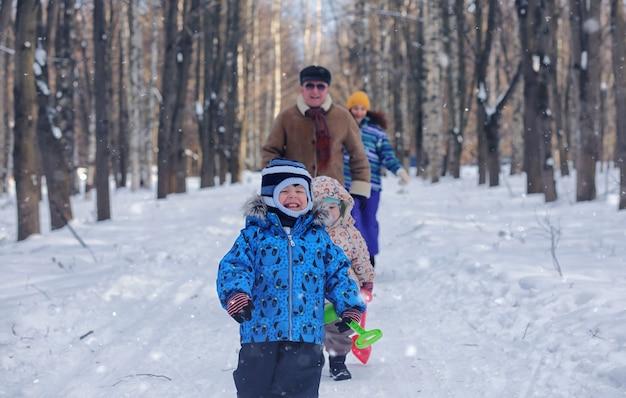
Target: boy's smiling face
point(293, 197)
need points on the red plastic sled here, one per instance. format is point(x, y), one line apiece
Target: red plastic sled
point(362, 355)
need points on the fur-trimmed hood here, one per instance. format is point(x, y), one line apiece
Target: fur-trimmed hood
point(255, 209)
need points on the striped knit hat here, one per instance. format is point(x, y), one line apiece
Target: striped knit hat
point(279, 174)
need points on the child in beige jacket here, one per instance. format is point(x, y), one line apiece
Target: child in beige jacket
point(340, 226)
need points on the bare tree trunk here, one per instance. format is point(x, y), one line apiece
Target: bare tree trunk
point(396, 87)
point(136, 128)
point(517, 136)
point(110, 80)
point(456, 142)
point(212, 89)
point(586, 31)
point(556, 103)
point(66, 78)
point(250, 125)
point(483, 49)
point(102, 121)
point(450, 110)
point(232, 124)
point(25, 149)
point(168, 93)
point(535, 37)
point(87, 140)
point(147, 143)
point(5, 129)
point(122, 93)
point(360, 51)
point(184, 57)
point(432, 105)
point(618, 30)
point(415, 54)
point(52, 139)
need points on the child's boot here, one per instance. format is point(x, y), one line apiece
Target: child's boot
point(338, 369)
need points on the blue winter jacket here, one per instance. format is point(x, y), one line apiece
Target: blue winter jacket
point(287, 275)
point(379, 153)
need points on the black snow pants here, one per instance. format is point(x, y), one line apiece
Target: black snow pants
point(279, 369)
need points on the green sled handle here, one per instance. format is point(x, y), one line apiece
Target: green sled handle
point(366, 337)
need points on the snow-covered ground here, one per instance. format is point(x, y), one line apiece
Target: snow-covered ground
point(467, 295)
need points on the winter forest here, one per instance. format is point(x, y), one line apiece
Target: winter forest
point(529, 87)
point(135, 127)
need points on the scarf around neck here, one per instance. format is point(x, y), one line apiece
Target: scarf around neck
point(322, 135)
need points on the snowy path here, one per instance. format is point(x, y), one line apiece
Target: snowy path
point(466, 295)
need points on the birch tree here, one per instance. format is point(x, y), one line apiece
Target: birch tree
point(432, 104)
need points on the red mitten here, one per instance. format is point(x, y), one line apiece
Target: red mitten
point(367, 289)
point(240, 307)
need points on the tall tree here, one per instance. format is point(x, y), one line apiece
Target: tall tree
point(458, 96)
point(52, 139)
point(556, 102)
point(122, 95)
point(396, 82)
point(433, 100)
point(178, 174)
point(65, 65)
point(232, 123)
point(136, 97)
point(5, 61)
point(212, 45)
point(25, 147)
point(535, 39)
point(102, 117)
point(586, 44)
point(488, 117)
point(618, 30)
point(168, 102)
point(414, 33)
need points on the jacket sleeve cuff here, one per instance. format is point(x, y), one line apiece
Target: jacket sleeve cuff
point(361, 188)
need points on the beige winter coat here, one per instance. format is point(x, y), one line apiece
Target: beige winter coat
point(293, 137)
point(343, 232)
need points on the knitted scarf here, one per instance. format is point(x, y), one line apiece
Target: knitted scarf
point(322, 134)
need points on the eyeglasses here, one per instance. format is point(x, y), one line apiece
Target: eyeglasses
point(319, 86)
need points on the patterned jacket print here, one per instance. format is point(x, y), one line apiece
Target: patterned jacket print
point(343, 232)
point(379, 152)
point(288, 276)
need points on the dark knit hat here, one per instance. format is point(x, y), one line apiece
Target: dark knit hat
point(279, 174)
point(315, 73)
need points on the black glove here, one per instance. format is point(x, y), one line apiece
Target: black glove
point(348, 316)
point(359, 200)
point(240, 307)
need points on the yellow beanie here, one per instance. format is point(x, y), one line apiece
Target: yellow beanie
point(358, 98)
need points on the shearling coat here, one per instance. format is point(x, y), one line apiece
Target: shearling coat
point(293, 137)
point(287, 275)
point(343, 232)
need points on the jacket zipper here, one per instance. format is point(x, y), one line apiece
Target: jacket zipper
point(289, 246)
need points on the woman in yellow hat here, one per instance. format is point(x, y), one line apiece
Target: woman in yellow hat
point(380, 154)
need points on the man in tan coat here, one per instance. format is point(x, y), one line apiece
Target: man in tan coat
point(315, 132)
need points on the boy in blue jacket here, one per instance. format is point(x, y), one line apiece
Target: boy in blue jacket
point(274, 280)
